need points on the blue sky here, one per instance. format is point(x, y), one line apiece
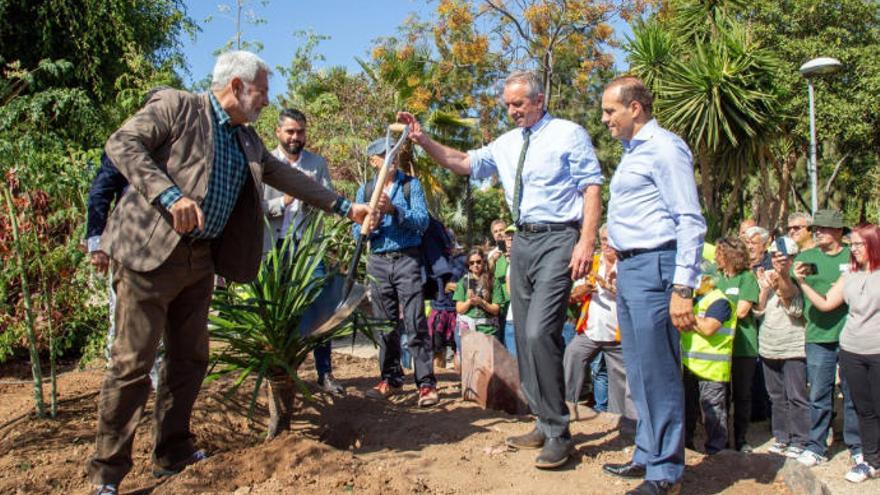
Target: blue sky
point(352, 25)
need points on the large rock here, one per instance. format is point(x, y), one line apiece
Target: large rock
point(489, 374)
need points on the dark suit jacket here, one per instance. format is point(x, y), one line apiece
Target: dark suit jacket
point(170, 142)
point(107, 187)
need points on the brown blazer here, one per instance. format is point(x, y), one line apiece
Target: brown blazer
point(170, 142)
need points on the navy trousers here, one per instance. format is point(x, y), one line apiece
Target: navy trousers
point(652, 357)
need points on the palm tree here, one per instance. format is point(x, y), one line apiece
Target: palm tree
point(714, 88)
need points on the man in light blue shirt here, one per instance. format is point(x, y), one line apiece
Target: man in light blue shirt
point(655, 224)
point(551, 181)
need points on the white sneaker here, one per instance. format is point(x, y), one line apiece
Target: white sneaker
point(108, 489)
point(809, 458)
point(793, 451)
point(860, 472)
point(778, 448)
point(857, 459)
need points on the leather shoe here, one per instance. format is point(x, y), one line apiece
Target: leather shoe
point(531, 440)
point(652, 487)
point(629, 470)
point(555, 452)
point(197, 456)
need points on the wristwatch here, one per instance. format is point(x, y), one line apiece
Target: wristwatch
point(683, 291)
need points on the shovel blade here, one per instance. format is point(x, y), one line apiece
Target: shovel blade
point(332, 307)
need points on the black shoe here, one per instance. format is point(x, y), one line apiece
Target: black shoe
point(555, 452)
point(630, 470)
point(651, 487)
point(197, 456)
point(531, 440)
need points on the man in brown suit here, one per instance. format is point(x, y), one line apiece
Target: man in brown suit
point(193, 210)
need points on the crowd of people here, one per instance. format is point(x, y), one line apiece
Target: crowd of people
point(671, 331)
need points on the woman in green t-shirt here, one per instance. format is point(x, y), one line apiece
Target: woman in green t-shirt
point(741, 287)
point(475, 302)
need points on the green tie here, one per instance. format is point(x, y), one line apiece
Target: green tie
point(518, 185)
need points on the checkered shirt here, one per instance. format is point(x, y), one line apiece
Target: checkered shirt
point(227, 176)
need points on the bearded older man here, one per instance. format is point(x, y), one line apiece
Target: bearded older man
point(193, 210)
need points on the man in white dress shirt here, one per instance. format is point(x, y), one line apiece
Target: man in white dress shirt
point(552, 181)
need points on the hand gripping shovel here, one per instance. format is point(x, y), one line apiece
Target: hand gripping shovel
point(341, 295)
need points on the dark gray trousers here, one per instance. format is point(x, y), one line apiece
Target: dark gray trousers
point(396, 286)
point(786, 381)
point(540, 283)
point(709, 399)
point(578, 354)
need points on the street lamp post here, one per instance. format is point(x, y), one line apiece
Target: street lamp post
point(815, 67)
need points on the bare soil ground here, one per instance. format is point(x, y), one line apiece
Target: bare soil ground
point(348, 445)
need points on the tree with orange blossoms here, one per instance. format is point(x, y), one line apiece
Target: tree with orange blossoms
point(565, 40)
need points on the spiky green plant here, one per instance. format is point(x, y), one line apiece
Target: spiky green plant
point(256, 323)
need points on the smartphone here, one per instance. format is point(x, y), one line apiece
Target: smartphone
point(502, 245)
point(780, 246)
point(811, 268)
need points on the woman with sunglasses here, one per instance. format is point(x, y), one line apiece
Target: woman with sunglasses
point(860, 339)
point(476, 302)
point(739, 284)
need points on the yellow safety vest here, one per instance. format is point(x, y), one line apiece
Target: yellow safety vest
point(709, 357)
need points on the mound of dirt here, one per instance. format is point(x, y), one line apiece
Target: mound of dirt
point(351, 444)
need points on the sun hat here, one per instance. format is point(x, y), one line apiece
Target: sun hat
point(377, 147)
point(832, 219)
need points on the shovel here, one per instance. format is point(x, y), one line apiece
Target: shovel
point(341, 295)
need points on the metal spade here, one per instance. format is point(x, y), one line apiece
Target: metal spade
point(341, 295)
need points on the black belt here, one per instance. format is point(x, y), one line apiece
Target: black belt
point(195, 241)
point(666, 246)
point(413, 251)
point(534, 228)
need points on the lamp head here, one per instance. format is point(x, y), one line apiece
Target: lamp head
point(820, 66)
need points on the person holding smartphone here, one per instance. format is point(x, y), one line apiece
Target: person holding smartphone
point(781, 346)
point(500, 272)
point(819, 268)
point(476, 301)
point(858, 292)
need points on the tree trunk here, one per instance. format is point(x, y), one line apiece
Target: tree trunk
point(282, 392)
point(706, 189)
point(708, 194)
point(784, 186)
point(765, 214)
point(30, 328)
point(547, 75)
point(735, 196)
point(469, 212)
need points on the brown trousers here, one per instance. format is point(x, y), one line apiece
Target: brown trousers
point(171, 301)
